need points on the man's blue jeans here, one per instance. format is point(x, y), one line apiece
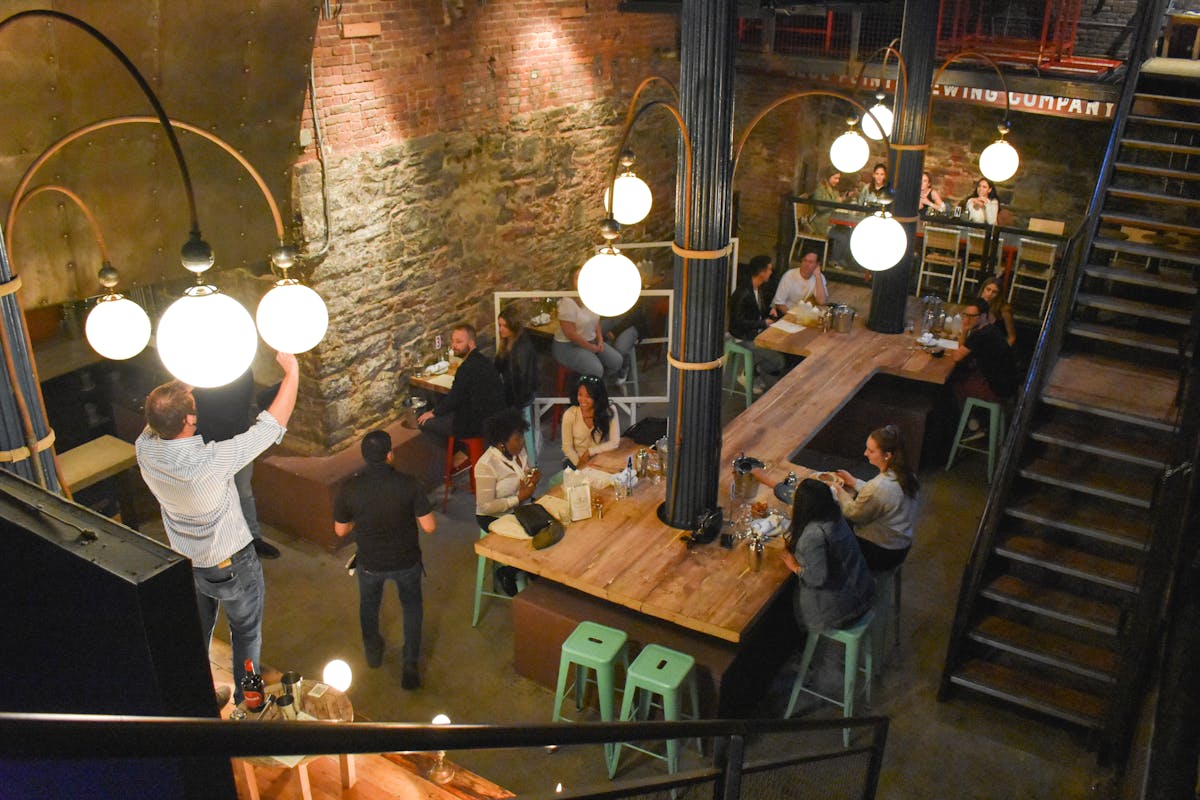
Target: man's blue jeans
point(370, 594)
point(240, 587)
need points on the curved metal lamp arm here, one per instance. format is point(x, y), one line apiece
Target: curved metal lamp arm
point(632, 120)
point(969, 54)
point(637, 93)
point(141, 82)
point(888, 50)
point(53, 187)
point(741, 143)
point(108, 123)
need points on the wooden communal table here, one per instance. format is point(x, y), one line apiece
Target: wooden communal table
point(634, 560)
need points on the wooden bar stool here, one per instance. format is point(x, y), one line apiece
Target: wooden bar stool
point(853, 638)
point(733, 350)
point(595, 647)
point(475, 446)
point(995, 433)
point(658, 671)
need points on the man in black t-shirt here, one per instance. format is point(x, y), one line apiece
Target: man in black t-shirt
point(384, 507)
point(986, 367)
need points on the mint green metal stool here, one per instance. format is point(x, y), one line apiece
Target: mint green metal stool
point(664, 672)
point(857, 639)
point(995, 432)
point(481, 571)
point(734, 350)
point(595, 647)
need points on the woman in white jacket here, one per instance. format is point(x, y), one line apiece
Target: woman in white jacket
point(883, 509)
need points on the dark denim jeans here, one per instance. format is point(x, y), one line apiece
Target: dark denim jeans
point(370, 594)
point(240, 587)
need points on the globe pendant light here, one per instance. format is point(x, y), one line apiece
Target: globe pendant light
point(205, 338)
point(878, 123)
point(849, 152)
point(999, 160)
point(291, 317)
point(631, 198)
point(878, 242)
point(609, 283)
point(117, 328)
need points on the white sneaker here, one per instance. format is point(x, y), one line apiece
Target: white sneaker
point(741, 379)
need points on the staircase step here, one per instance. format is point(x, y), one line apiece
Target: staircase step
point(1030, 689)
point(1155, 171)
point(1063, 652)
point(1164, 122)
point(1133, 308)
point(1149, 223)
point(1146, 250)
point(1161, 147)
point(1071, 561)
point(1122, 442)
point(1123, 336)
point(1100, 478)
point(1100, 385)
point(1094, 615)
point(1144, 196)
point(1066, 511)
point(1140, 278)
point(1171, 99)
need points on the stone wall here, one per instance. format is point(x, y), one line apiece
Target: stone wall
point(467, 154)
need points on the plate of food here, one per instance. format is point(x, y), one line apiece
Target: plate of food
point(831, 478)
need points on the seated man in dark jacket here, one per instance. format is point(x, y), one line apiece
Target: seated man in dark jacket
point(986, 367)
point(476, 394)
point(750, 313)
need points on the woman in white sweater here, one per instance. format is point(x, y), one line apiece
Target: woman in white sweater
point(589, 426)
point(883, 509)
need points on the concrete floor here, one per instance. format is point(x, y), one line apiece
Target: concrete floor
point(966, 747)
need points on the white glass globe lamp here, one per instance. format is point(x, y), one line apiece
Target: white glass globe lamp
point(609, 283)
point(878, 123)
point(999, 161)
point(291, 317)
point(337, 674)
point(206, 338)
point(878, 242)
point(849, 152)
point(117, 328)
point(631, 199)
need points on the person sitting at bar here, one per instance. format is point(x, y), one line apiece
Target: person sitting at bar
point(589, 426)
point(579, 342)
point(876, 191)
point(516, 360)
point(503, 480)
point(826, 191)
point(834, 586)
point(882, 510)
point(475, 395)
point(982, 206)
point(804, 281)
point(749, 315)
point(986, 368)
point(1000, 312)
point(931, 201)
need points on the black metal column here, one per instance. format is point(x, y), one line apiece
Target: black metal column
point(707, 32)
point(918, 42)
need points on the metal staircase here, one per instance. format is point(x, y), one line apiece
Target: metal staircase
point(1060, 604)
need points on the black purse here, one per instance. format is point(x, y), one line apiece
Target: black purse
point(543, 529)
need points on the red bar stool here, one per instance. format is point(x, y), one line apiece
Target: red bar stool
point(475, 446)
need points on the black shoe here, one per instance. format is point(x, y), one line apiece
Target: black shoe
point(265, 549)
point(411, 679)
point(374, 657)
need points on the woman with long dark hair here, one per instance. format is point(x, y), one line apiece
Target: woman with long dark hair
point(999, 311)
point(589, 426)
point(983, 206)
point(884, 508)
point(834, 586)
point(516, 360)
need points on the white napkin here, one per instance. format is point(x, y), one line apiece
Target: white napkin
point(787, 327)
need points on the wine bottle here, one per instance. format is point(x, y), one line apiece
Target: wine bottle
point(252, 688)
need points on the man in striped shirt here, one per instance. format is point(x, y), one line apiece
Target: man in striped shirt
point(194, 485)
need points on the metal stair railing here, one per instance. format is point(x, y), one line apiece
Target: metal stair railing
point(92, 737)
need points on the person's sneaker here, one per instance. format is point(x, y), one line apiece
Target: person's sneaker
point(222, 694)
point(741, 379)
point(973, 425)
point(411, 679)
point(265, 549)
